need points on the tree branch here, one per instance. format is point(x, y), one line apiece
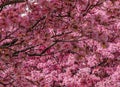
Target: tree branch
point(35, 24)
point(10, 2)
point(9, 44)
point(23, 50)
point(89, 7)
point(46, 49)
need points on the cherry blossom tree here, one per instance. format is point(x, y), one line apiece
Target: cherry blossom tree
point(59, 43)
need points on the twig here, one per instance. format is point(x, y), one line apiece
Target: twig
point(9, 3)
point(46, 49)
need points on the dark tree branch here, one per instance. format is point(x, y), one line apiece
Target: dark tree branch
point(23, 50)
point(8, 44)
point(36, 23)
point(46, 49)
point(52, 53)
point(90, 7)
point(63, 33)
point(68, 40)
point(9, 2)
point(11, 33)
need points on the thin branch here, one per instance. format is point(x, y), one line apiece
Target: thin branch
point(23, 50)
point(63, 33)
point(90, 7)
point(9, 34)
point(10, 3)
point(68, 40)
point(35, 24)
point(52, 53)
point(9, 44)
point(46, 49)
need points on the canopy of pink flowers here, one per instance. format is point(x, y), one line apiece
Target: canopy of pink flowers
point(59, 43)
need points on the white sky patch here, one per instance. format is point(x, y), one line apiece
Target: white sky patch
point(24, 14)
point(32, 1)
point(27, 8)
